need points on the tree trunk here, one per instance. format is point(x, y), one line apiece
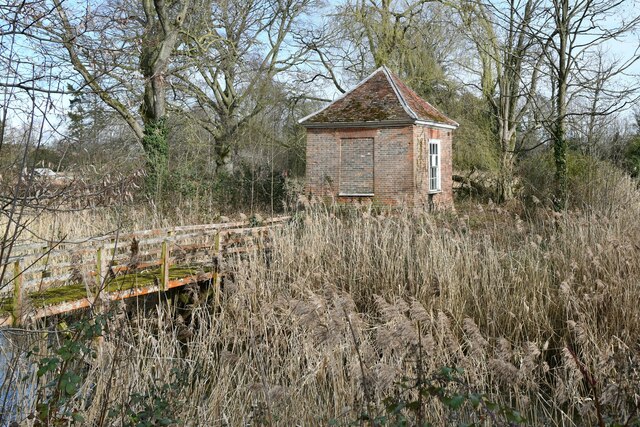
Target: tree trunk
point(156, 148)
point(154, 140)
point(559, 136)
point(224, 156)
point(560, 158)
point(158, 43)
point(506, 181)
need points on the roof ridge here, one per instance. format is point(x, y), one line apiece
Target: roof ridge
point(343, 94)
point(405, 105)
point(397, 81)
point(380, 97)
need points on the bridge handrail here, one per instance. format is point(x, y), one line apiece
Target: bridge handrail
point(65, 247)
point(59, 265)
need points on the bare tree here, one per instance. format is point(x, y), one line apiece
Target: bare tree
point(231, 60)
point(413, 38)
point(573, 30)
point(384, 26)
point(597, 97)
point(156, 35)
point(26, 99)
point(510, 58)
point(416, 39)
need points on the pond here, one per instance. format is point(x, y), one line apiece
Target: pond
point(6, 395)
point(12, 389)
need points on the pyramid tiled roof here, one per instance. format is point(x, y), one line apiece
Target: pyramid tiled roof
point(381, 97)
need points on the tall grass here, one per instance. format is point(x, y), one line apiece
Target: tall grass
point(539, 309)
point(58, 225)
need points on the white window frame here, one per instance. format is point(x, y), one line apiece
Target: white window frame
point(434, 174)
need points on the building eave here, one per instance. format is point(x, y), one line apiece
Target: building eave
point(372, 124)
point(377, 124)
point(437, 124)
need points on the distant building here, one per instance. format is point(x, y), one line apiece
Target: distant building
point(380, 142)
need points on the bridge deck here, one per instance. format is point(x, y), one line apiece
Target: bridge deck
point(67, 276)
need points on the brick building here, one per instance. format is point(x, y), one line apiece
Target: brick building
point(382, 142)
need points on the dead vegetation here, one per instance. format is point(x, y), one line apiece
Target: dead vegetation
point(538, 309)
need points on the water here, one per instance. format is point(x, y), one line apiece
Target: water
point(6, 395)
point(8, 382)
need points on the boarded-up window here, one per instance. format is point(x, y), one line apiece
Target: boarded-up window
point(356, 166)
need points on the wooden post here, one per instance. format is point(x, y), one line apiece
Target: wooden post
point(102, 266)
point(217, 250)
point(164, 270)
point(17, 294)
point(99, 271)
point(260, 243)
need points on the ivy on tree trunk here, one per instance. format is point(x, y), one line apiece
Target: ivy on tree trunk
point(560, 157)
point(154, 143)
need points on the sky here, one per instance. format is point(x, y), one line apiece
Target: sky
point(56, 106)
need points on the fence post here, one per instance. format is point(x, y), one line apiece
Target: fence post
point(217, 261)
point(102, 266)
point(17, 294)
point(99, 256)
point(164, 269)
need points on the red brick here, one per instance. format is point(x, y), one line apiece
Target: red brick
point(400, 161)
point(384, 113)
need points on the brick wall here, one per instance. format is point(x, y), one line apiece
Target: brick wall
point(398, 170)
point(393, 171)
point(323, 162)
point(356, 166)
point(421, 136)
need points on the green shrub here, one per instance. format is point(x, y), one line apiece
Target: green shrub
point(255, 188)
point(632, 157)
point(593, 184)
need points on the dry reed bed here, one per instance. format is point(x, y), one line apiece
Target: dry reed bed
point(55, 225)
point(331, 322)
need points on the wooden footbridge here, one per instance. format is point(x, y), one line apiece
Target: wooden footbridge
point(58, 277)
